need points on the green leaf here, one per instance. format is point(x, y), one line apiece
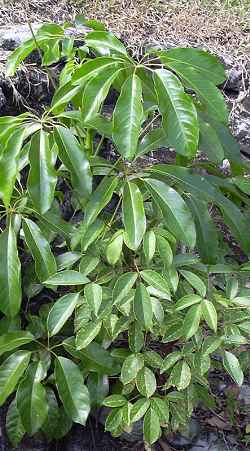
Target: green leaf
point(14, 426)
point(42, 175)
point(187, 301)
point(203, 62)
point(192, 321)
point(105, 42)
point(115, 401)
point(74, 158)
point(63, 95)
point(134, 218)
point(130, 368)
point(93, 295)
point(99, 199)
point(127, 117)
point(165, 251)
point(242, 183)
point(53, 418)
point(92, 68)
point(10, 273)
point(67, 277)
point(209, 314)
point(91, 234)
point(9, 164)
point(135, 337)
point(45, 264)
point(114, 420)
point(139, 409)
point(67, 259)
point(14, 339)
point(157, 281)
point(180, 376)
point(11, 371)
point(87, 334)
point(151, 427)
point(170, 360)
point(72, 391)
point(61, 312)
point(211, 344)
point(153, 359)
point(123, 286)
point(209, 142)
point(143, 307)
point(176, 214)
point(146, 382)
point(114, 247)
point(88, 264)
point(32, 400)
point(149, 244)
point(161, 408)
point(232, 366)
point(18, 56)
point(195, 282)
point(179, 114)
point(96, 91)
point(101, 124)
point(153, 140)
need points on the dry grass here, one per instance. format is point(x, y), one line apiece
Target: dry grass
point(222, 26)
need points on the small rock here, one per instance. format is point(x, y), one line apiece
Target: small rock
point(12, 36)
point(234, 80)
point(3, 99)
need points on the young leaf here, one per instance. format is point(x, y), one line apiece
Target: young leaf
point(165, 251)
point(10, 273)
point(180, 376)
point(19, 54)
point(88, 264)
point(32, 400)
point(67, 277)
point(11, 371)
point(74, 158)
point(14, 339)
point(130, 368)
point(93, 295)
point(146, 382)
point(139, 409)
point(123, 286)
point(127, 118)
point(187, 301)
point(14, 426)
point(115, 401)
point(232, 366)
point(149, 244)
point(157, 281)
point(143, 307)
point(151, 427)
point(114, 248)
point(170, 360)
point(42, 175)
point(179, 114)
point(87, 334)
point(192, 321)
point(61, 312)
point(210, 315)
point(134, 218)
point(105, 42)
point(45, 264)
point(72, 391)
point(177, 215)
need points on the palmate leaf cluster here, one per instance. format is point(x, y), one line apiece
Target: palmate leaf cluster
point(135, 300)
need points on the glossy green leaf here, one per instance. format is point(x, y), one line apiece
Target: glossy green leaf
point(114, 247)
point(87, 334)
point(187, 301)
point(130, 368)
point(123, 286)
point(161, 408)
point(156, 280)
point(146, 382)
point(165, 251)
point(170, 360)
point(195, 282)
point(11, 371)
point(153, 140)
point(179, 114)
point(115, 401)
point(201, 61)
point(88, 264)
point(67, 277)
point(74, 158)
point(233, 368)
point(151, 427)
point(32, 400)
point(10, 273)
point(209, 313)
point(149, 245)
point(93, 295)
point(61, 312)
point(192, 321)
point(209, 142)
point(139, 409)
point(153, 359)
point(143, 307)
point(19, 54)
point(99, 199)
point(45, 264)
point(53, 417)
point(42, 175)
point(91, 234)
point(14, 339)
point(180, 376)
point(14, 426)
point(72, 391)
point(176, 213)
point(134, 218)
point(127, 117)
point(135, 337)
point(105, 42)
point(67, 260)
